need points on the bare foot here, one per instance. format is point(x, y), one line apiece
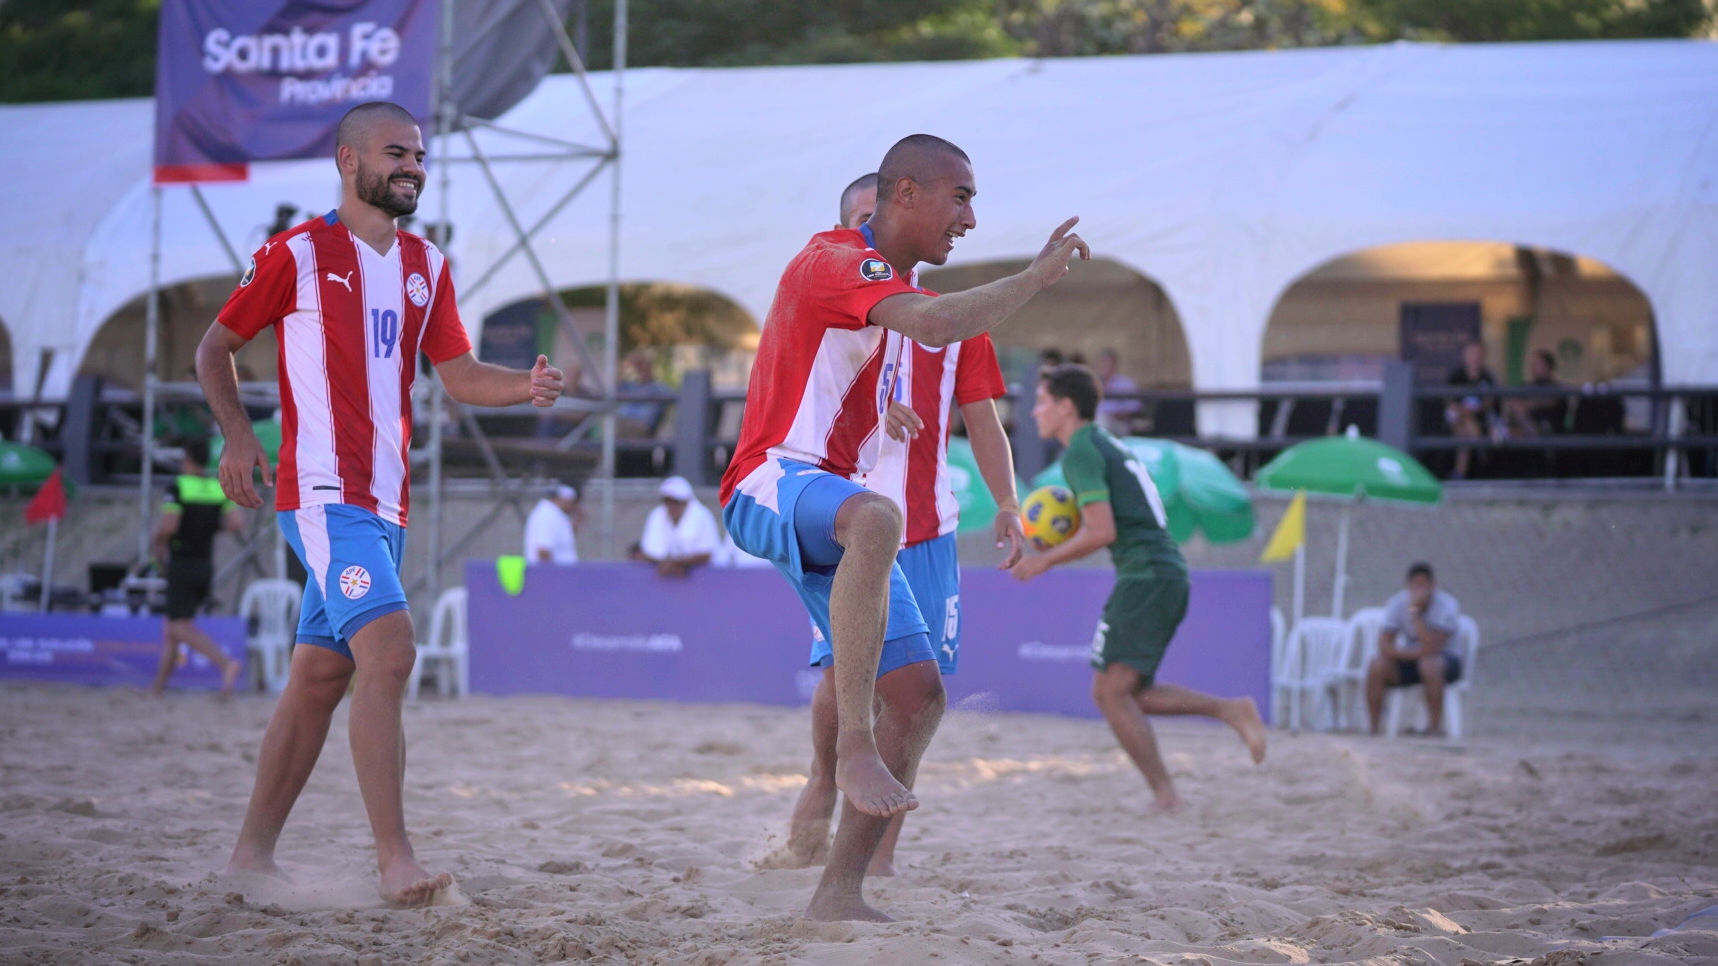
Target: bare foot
point(808, 843)
point(842, 909)
point(1166, 804)
point(881, 866)
point(867, 783)
point(245, 864)
point(229, 675)
point(406, 883)
point(1244, 718)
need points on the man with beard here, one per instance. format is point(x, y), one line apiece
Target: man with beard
point(353, 300)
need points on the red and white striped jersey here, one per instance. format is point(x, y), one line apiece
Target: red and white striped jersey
point(915, 473)
point(818, 385)
point(350, 323)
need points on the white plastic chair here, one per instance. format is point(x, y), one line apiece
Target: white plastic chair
point(270, 609)
point(1347, 680)
point(446, 654)
point(1312, 649)
point(1465, 646)
point(1279, 638)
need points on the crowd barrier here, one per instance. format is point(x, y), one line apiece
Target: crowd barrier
point(94, 649)
point(620, 631)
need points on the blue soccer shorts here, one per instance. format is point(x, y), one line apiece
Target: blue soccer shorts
point(932, 569)
point(353, 558)
point(785, 513)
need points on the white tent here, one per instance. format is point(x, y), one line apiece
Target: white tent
point(1224, 177)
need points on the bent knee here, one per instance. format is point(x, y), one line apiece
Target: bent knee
point(869, 518)
point(393, 662)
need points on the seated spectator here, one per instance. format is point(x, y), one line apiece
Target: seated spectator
point(1471, 415)
point(549, 529)
point(1539, 416)
point(1419, 621)
point(680, 534)
point(1115, 415)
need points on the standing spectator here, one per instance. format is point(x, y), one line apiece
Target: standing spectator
point(1472, 415)
point(549, 529)
point(1419, 621)
point(1115, 415)
point(640, 417)
point(196, 510)
point(680, 534)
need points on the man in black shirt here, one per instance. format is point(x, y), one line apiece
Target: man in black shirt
point(1471, 415)
point(196, 510)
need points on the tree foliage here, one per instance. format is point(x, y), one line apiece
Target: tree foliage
point(68, 49)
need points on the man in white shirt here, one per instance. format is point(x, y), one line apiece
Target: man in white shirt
point(681, 533)
point(1420, 621)
point(549, 529)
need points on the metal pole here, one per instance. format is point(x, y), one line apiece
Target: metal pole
point(1671, 454)
point(48, 564)
point(1336, 592)
point(1299, 584)
point(611, 321)
point(151, 337)
point(444, 108)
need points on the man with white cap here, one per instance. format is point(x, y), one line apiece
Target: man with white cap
point(549, 534)
point(681, 533)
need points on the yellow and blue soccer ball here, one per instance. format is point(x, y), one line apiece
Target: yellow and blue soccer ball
point(1050, 516)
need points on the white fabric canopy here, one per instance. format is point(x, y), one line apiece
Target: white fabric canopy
point(1224, 177)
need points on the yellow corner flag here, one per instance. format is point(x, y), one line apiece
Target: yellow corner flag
point(1290, 533)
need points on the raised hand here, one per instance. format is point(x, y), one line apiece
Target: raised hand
point(901, 423)
point(546, 383)
point(1052, 263)
point(241, 454)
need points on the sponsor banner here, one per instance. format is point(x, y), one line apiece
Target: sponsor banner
point(91, 649)
point(268, 80)
point(620, 631)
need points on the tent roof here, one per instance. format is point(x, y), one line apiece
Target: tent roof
point(1224, 177)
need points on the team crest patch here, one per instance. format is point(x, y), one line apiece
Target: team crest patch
point(250, 273)
point(354, 582)
point(876, 270)
point(417, 290)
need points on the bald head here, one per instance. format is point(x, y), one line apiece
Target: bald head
point(922, 157)
point(361, 121)
point(859, 199)
point(925, 189)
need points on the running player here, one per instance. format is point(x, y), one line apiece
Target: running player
point(912, 470)
point(1121, 509)
point(196, 510)
point(818, 387)
point(353, 300)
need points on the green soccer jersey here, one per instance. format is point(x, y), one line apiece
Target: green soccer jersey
point(1100, 469)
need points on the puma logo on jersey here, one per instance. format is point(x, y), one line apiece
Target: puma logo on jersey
point(347, 281)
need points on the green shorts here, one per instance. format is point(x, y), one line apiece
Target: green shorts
point(1139, 619)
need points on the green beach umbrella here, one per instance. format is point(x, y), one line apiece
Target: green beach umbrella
point(1199, 492)
point(23, 465)
point(977, 507)
point(1350, 468)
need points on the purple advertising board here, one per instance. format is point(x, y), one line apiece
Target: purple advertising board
point(620, 631)
point(91, 649)
point(268, 80)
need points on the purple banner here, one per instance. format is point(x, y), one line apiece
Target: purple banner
point(268, 80)
point(90, 649)
point(620, 631)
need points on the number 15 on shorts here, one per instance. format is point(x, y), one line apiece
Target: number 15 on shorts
point(951, 618)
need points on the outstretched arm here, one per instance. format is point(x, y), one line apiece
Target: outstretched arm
point(947, 319)
point(481, 384)
point(996, 464)
point(242, 451)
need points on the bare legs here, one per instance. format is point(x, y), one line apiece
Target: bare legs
point(808, 834)
point(186, 631)
point(868, 528)
point(1382, 675)
point(912, 701)
point(384, 653)
point(1124, 704)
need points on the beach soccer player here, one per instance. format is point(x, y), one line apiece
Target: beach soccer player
point(195, 512)
point(1120, 509)
point(353, 300)
point(819, 386)
point(912, 470)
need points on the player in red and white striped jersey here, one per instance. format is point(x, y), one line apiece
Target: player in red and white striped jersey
point(353, 300)
point(818, 388)
point(912, 469)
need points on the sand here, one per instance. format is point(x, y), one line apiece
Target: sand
point(621, 832)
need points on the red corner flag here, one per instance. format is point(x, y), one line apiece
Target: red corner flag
point(49, 503)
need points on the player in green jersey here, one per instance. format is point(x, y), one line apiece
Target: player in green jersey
point(1120, 509)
